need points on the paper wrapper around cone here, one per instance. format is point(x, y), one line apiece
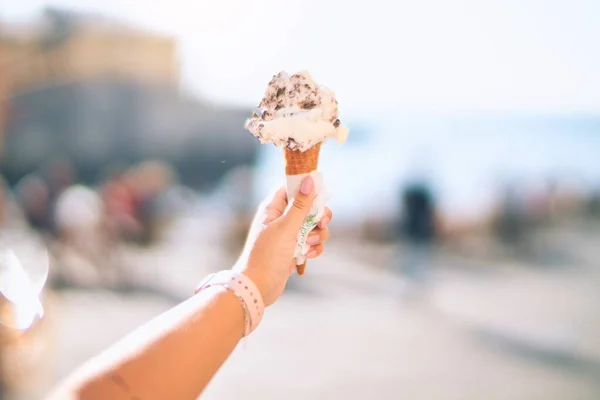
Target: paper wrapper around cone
point(297, 166)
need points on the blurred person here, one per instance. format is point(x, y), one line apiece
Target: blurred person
point(510, 224)
point(83, 250)
point(235, 190)
point(78, 211)
point(150, 180)
point(417, 226)
point(11, 214)
point(537, 205)
point(59, 175)
point(119, 199)
point(175, 355)
point(34, 197)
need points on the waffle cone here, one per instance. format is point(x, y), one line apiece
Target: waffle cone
point(300, 268)
point(302, 162)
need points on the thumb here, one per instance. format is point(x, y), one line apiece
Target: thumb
point(301, 205)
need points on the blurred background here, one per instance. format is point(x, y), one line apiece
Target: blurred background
point(464, 261)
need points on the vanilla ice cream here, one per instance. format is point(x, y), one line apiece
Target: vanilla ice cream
point(297, 113)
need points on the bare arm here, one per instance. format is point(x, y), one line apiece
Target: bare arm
point(174, 356)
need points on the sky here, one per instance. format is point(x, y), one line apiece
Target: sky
point(429, 55)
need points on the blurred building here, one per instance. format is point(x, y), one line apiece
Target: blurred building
point(66, 46)
point(96, 92)
point(4, 89)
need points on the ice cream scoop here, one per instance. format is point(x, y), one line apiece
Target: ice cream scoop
point(297, 113)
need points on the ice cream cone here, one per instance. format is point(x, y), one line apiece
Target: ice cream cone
point(302, 162)
point(297, 114)
point(299, 163)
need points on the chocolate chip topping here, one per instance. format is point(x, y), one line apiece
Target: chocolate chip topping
point(308, 105)
point(291, 144)
point(288, 96)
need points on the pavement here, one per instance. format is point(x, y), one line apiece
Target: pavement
point(479, 329)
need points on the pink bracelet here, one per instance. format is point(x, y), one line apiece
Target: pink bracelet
point(244, 289)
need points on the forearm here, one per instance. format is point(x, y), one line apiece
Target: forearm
point(173, 356)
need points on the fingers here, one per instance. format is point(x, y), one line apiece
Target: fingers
point(317, 236)
point(327, 215)
point(280, 199)
point(301, 205)
point(273, 206)
point(277, 200)
point(315, 251)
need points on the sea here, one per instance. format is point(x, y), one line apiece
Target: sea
point(466, 160)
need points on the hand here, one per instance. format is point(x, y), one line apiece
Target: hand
point(268, 254)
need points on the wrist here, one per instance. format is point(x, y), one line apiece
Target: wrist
point(256, 275)
point(257, 278)
point(240, 286)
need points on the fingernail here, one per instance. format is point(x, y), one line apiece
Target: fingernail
point(311, 254)
point(324, 222)
point(313, 239)
point(307, 185)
